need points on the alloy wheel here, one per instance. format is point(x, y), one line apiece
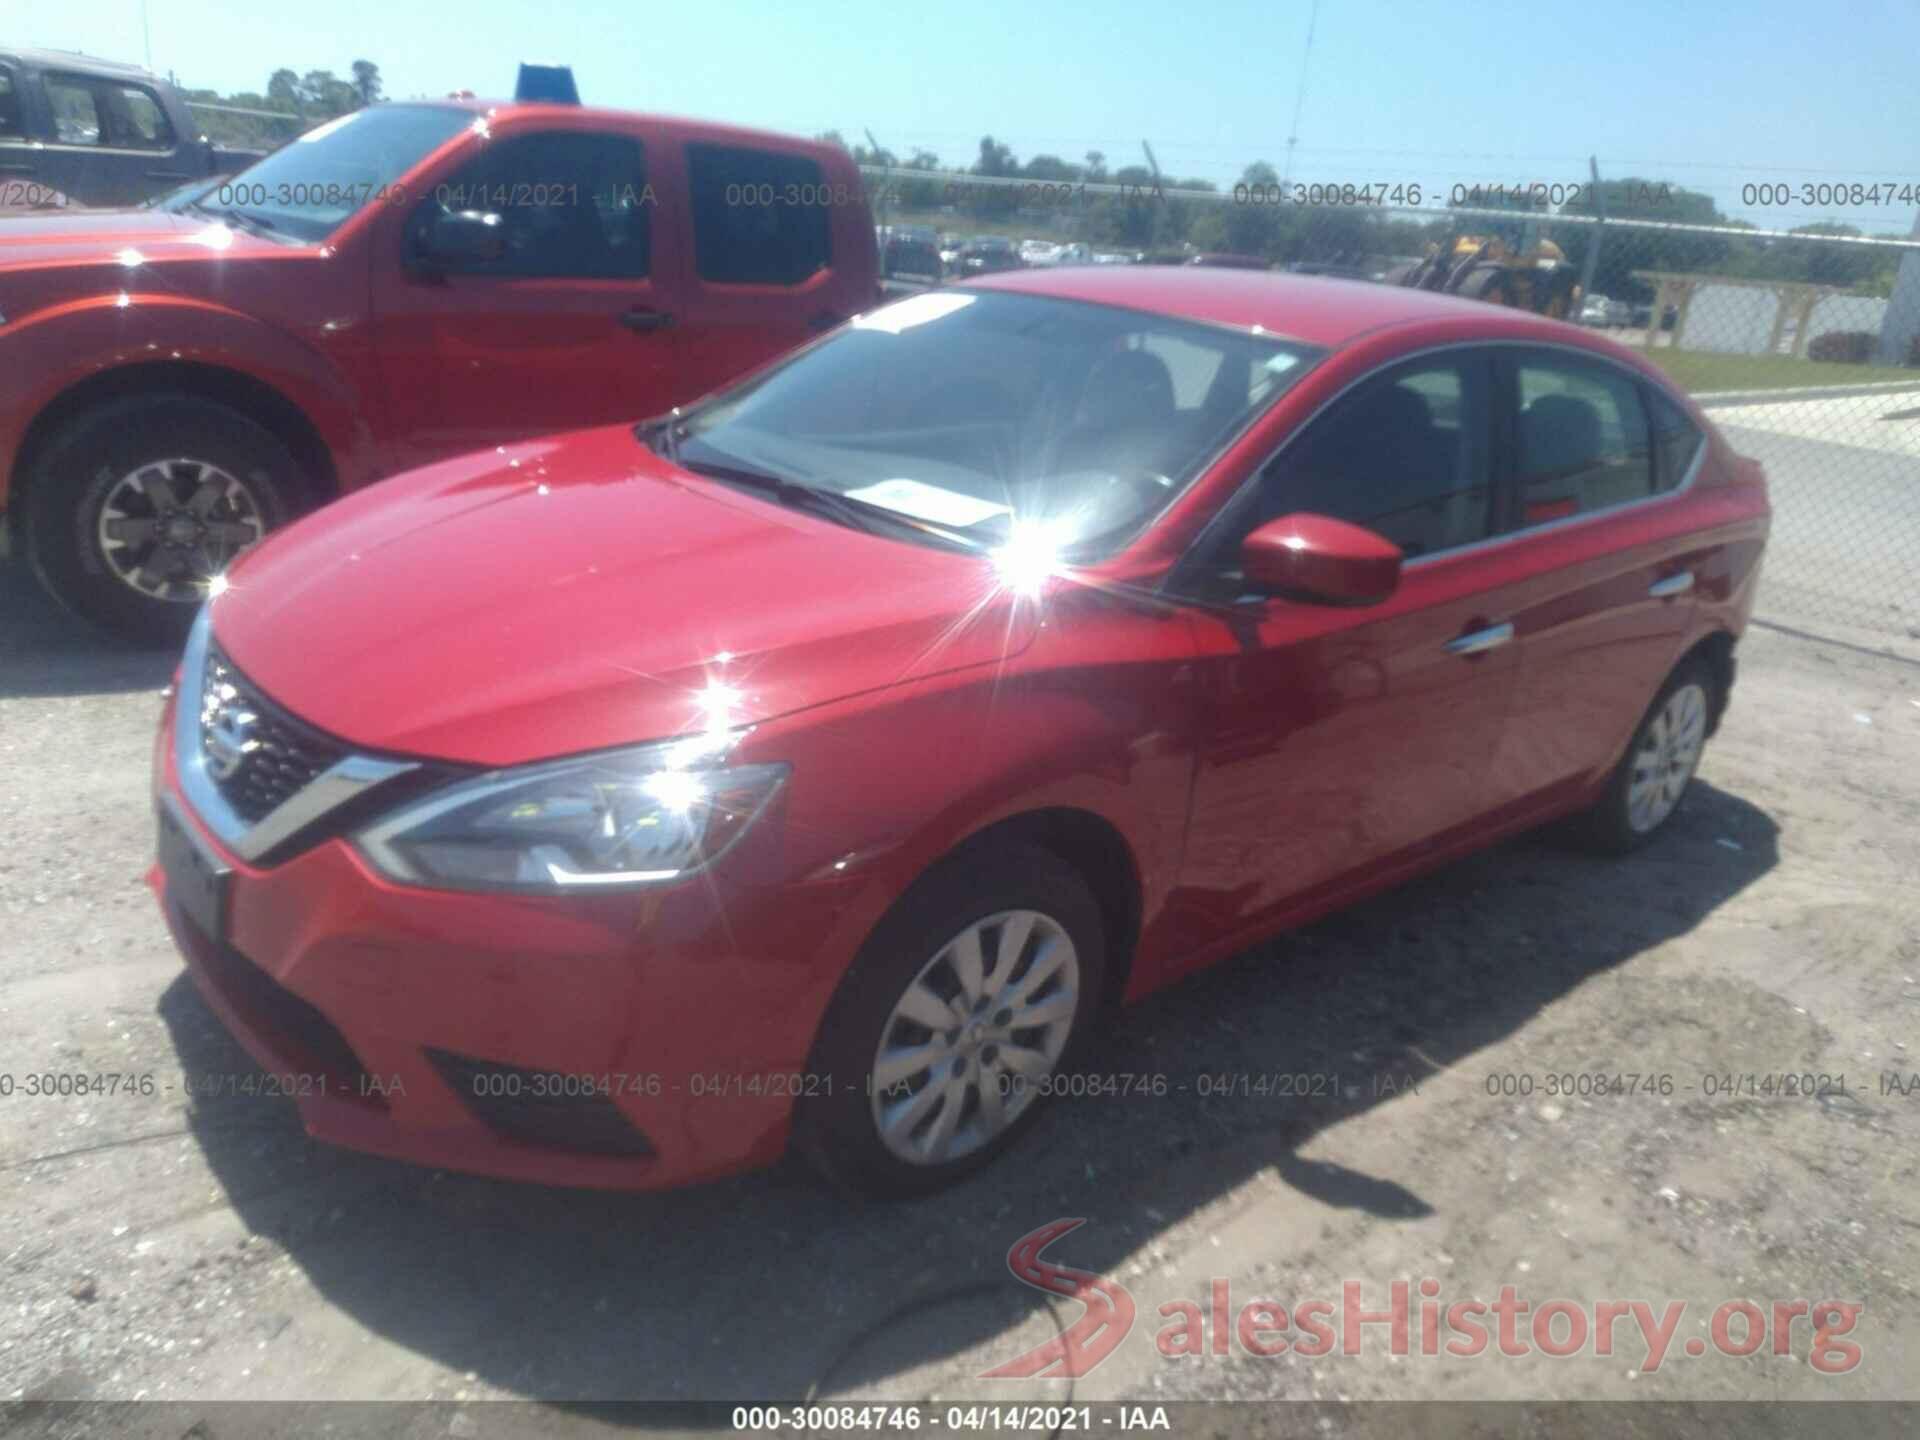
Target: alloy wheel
point(169, 527)
point(972, 1041)
point(1669, 751)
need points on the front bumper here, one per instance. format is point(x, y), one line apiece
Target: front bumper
point(629, 1041)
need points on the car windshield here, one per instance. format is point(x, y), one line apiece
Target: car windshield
point(975, 412)
point(305, 189)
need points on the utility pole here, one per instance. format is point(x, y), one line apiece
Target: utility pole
point(1299, 96)
point(146, 30)
point(886, 183)
point(1593, 245)
point(1153, 223)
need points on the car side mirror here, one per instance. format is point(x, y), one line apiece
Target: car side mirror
point(1319, 558)
point(465, 237)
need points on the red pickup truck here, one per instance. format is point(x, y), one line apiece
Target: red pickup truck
point(403, 284)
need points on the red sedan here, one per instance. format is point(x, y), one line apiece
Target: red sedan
point(813, 766)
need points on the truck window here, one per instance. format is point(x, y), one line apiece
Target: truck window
point(114, 116)
point(76, 119)
point(134, 118)
point(573, 205)
point(12, 127)
point(759, 216)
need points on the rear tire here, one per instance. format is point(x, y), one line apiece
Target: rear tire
point(1647, 787)
point(874, 1122)
point(133, 506)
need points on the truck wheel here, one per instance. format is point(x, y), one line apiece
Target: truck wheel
point(1487, 284)
point(974, 994)
point(135, 506)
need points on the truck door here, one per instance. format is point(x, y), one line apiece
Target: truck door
point(572, 326)
point(110, 141)
point(20, 180)
point(781, 251)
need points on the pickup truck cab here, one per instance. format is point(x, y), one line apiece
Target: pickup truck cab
point(401, 285)
point(75, 130)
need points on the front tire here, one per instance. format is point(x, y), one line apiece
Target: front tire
point(972, 995)
point(135, 506)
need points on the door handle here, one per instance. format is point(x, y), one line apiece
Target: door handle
point(168, 175)
point(644, 322)
point(1673, 585)
point(1478, 642)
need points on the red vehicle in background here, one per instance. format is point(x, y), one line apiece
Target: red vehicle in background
point(401, 285)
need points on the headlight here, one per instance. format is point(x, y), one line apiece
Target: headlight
point(623, 817)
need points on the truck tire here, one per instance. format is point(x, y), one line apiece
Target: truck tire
point(1489, 284)
point(134, 506)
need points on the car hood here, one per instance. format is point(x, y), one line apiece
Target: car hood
point(105, 237)
point(578, 593)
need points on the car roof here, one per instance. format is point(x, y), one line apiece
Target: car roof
point(72, 60)
point(710, 130)
point(1317, 310)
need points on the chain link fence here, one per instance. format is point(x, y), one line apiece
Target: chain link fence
point(1803, 348)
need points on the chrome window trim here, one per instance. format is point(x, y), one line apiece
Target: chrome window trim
point(347, 778)
point(1251, 483)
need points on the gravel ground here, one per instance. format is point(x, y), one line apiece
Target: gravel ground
point(208, 1251)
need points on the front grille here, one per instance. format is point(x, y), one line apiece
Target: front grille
point(541, 1107)
point(281, 756)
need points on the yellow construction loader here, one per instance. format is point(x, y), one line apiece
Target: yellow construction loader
point(1501, 264)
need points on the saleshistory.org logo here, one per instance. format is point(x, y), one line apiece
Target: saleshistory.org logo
point(1508, 1326)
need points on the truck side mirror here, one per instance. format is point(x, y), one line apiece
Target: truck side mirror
point(464, 237)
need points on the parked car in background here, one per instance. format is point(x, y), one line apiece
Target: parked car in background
point(950, 247)
point(1213, 631)
point(1333, 269)
point(1600, 312)
point(406, 283)
point(79, 131)
point(1039, 252)
point(988, 254)
point(911, 252)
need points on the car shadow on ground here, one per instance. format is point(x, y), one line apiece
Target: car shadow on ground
point(771, 1285)
point(44, 651)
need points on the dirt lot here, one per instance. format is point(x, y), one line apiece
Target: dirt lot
point(200, 1252)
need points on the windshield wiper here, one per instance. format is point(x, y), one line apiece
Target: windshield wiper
point(663, 435)
point(854, 514)
point(234, 216)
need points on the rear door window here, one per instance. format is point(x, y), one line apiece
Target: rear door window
point(1583, 439)
point(759, 216)
point(134, 118)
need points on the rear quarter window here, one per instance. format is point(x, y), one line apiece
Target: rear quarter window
point(1677, 441)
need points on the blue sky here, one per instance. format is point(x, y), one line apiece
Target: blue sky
point(1709, 93)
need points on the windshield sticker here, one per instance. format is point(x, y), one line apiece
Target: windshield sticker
point(930, 502)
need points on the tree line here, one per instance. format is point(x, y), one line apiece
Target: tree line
point(305, 99)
